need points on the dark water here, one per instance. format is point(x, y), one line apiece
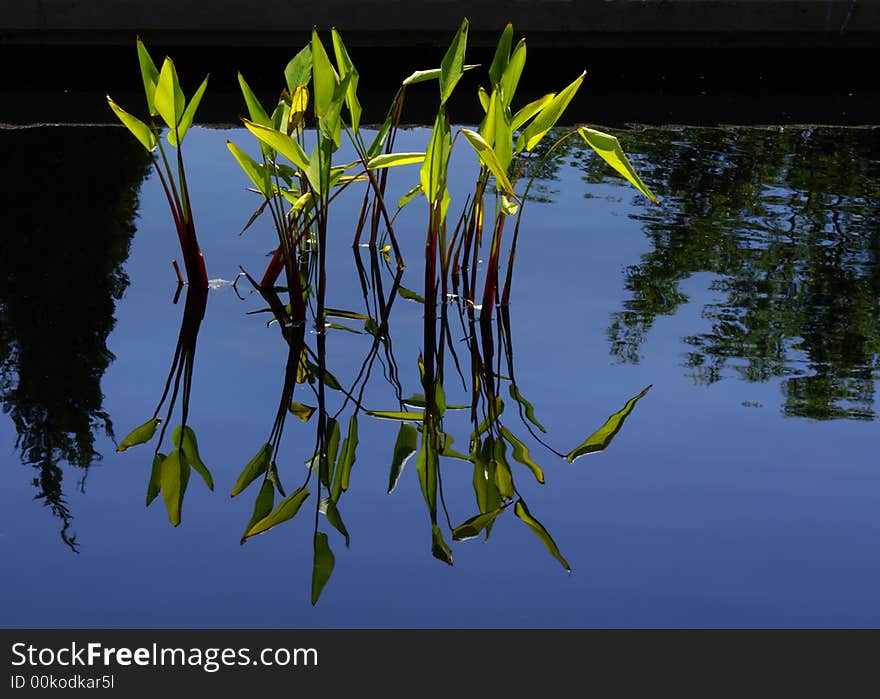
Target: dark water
point(742, 490)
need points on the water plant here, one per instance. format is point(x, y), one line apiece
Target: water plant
point(165, 99)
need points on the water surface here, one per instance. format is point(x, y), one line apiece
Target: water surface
point(742, 491)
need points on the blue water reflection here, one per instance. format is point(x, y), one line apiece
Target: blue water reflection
point(711, 508)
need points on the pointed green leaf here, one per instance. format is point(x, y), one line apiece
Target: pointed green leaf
point(262, 506)
point(257, 114)
point(285, 510)
point(523, 513)
point(322, 567)
point(421, 76)
point(471, 528)
point(409, 294)
point(139, 129)
point(324, 77)
point(409, 196)
point(341, 313)
point(547, 117)
point(347, 457)
point(433, 172)
point(513, 72)
point(395, 415)
point(169, 99)
point(255, 467)
point(299, 71)
point(255, 171)
point(155, 485)
point(503, 475)
point(503, 134)
point(302, 411)
point(280, 142)
point(521, 454)
point(405, 446)
point(173, 477)
point(140, 435)
point(175, 136)
point(426, 467)
point(608, 148)
point(452, 66)
point(502, 55)
point(331, 447)
point(343, 61)
point(490, 160)
point(483, 96)
point(602, 437)
point(149, 75)
point(439, 548)
point(529, 409)
point(532, 108)
point(329, 508)
point(394, 159)
point(185, 440)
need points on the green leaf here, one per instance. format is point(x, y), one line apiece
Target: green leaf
point(523, 513)
point(452, 66)
point(532, 108)
point(433, 173)
point(394, 159)
point(513, 72)
point(426, 467)
point(149, 75)
point(409, 196)
point(502, 55)
point(490, 160)
point(140, 435)
point(169, 99)
point(405, 446)
point(483, 96)
point(255, 171)
point(322, 567)
point(331, 447)
point(529, 408)
point(521, 454)
point(262, 506)
point(285, 510)
point(602, 437)
point(471, 528)
point(188, 444)
point(255, 467)
point(299, 71)
point(343, 60)
point(173, 477)
point(175, 136)
point(280, 142)
point(503, 475)
point(302, 411)
point(141, 131)
point(547, 117)
point(257, 114)
point(329, 508)
point(340, 313)
point(439, 548)
point(395, 415)
point(503, 134)
point(347, 457)
point(155, 485)
point(421, 76)
point(324, 77)
point(608, 148)
point(409, 294)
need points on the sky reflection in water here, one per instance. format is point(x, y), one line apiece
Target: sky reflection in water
point(742, 490)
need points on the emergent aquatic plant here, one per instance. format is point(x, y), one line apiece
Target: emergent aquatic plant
point(165, 99)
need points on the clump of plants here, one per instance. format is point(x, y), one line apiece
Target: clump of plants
point(296, 177)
